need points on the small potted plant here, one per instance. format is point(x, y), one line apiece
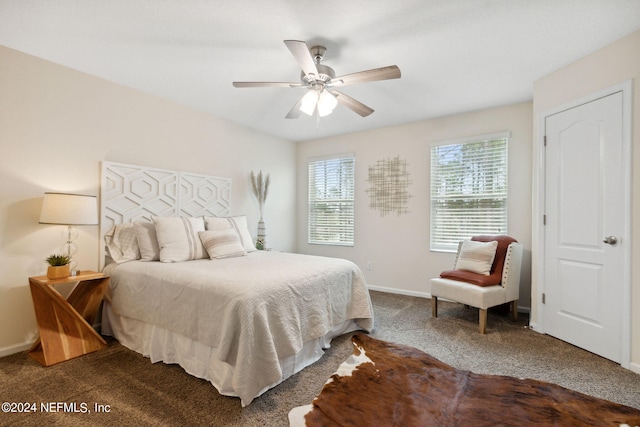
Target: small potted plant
point(58, 266)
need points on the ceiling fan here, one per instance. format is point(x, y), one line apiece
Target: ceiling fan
point(321, 82)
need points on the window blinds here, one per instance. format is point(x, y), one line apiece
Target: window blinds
point(468, 190)
point(331, 200)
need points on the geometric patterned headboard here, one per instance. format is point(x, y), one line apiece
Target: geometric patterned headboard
point(133, 193)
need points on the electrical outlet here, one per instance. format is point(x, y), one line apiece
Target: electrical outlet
point(369, 265)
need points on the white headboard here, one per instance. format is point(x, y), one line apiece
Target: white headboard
point(133, 193)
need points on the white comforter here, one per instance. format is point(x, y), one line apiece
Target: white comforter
point(253, 310)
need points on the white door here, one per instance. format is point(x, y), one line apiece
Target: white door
point(584, 257)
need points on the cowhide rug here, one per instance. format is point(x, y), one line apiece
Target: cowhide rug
point(385, 384)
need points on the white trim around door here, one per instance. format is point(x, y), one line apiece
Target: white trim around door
point(539, 211)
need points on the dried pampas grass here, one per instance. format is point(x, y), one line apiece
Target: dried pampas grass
point(260, 188)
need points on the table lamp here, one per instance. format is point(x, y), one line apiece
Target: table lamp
point(70, 210)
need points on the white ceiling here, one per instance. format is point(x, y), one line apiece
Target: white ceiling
point(455, 55)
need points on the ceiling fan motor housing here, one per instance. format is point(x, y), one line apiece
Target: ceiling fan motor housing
point(325, 73)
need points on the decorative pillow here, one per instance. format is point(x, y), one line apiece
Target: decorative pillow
point(477, 257)
point(122, 243)
point(495, 278)
point(238, 223)
point(178, 238)
point(469, 277)
point(147, 241)
point(222, 243)
point(498, 263)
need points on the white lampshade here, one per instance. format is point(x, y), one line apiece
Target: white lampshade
point(308, 102)
point(69, 209)
point(326, 103)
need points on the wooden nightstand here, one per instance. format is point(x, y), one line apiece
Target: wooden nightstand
point(65, 324)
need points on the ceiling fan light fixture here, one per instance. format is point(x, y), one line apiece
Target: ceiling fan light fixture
point(326, 103)
point(308, 102)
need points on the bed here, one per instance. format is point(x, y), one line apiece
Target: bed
point(188, 287)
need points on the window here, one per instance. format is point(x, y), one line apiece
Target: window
point(468, 189)
point(331, 200)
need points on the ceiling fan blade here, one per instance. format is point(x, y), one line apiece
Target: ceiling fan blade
point(294, 113)
point(383, 73)
point(265, 84)
point(352, 104)
point(301, 53)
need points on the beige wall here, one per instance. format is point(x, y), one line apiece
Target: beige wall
point(57, 125)
point(614, 64)
point(398, 246)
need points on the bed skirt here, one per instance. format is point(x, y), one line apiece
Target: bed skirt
point(162, 345)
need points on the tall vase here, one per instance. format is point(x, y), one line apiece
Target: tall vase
point(261, 242)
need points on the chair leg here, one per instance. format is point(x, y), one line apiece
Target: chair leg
point(483, 321)
point(434, 306)
point(514, 310)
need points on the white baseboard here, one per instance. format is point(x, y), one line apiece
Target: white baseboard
point(399, 291)
point(423, 295)
point(534, 327)
point(634, 367)
point(6, 351)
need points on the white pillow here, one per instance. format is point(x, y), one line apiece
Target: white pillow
point(238, 223)
point(122, 243)
point(477, 257)
point(178, 238)
point(147, 241)
point(222, 243)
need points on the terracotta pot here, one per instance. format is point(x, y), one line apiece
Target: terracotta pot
point(58, 272)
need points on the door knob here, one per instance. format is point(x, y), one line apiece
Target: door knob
point(610, 240)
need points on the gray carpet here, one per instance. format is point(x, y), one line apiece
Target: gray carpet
point(140, 393)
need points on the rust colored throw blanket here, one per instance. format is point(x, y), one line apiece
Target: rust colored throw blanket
point(385, 384)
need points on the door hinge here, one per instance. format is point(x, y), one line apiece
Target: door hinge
point(544, 220)
point(544, 298)
point(545, 140)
